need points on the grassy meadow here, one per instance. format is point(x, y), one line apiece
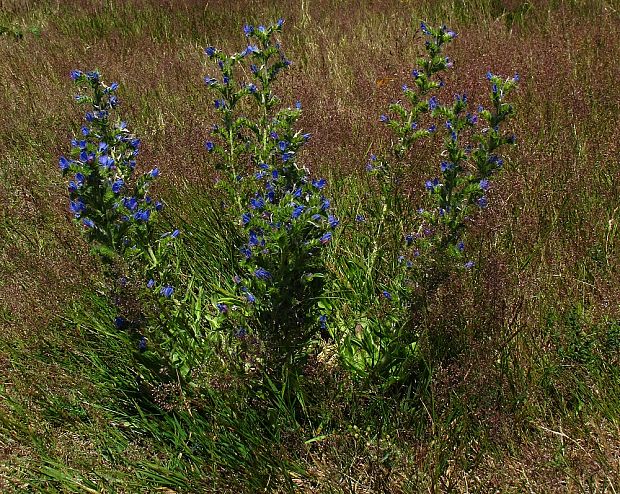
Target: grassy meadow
point(518, 384)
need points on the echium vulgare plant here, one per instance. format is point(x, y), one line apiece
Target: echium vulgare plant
point(115, 211)
point(113, 207)
point(286, 217)
point(431, 243)
point(405, 119)
point(469, 155)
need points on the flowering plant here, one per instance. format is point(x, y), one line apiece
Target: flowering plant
point(286, 217)
point(115, 211)
point(420, 259)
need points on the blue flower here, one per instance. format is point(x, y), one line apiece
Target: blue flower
point(87, 157)
point(489, 75)
point(175, 234)
point(210, 51)
point(326, 238)
point(210, 81)
point(257, 202)
point(252, 88)
point(76, 74)
point(93, 75)
point(415, 73)
point(248, 30)
point(142, 344)
point(262, 274)
point(496, 160)
point(78, 144)
point(77, 206)
point(223, 308)
point(142, 215)
point(154, 172)
point(250, 298)
point(209, 145)
point(253, 239)
point(472, 119)
point(246, 251)
point(150, 283)
point(297, 211)
point(167, 291)
point(280, 22)
point(319, 184)
point(387, 294)
point(245, 218)
point(283, 145)
point(106, 161)
point(298, 105)
point(250, 49)
point(384, 118)
point(88, 223)
point(460, 246)
point(483, 202)
point(117, 186)
point(63, 163)
point(424, 28)
point(470, 264)
point(484, 184)
point(432, 103)
point(130, 203)
point(431, 184)
point(333, 221)
point(323, 321)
